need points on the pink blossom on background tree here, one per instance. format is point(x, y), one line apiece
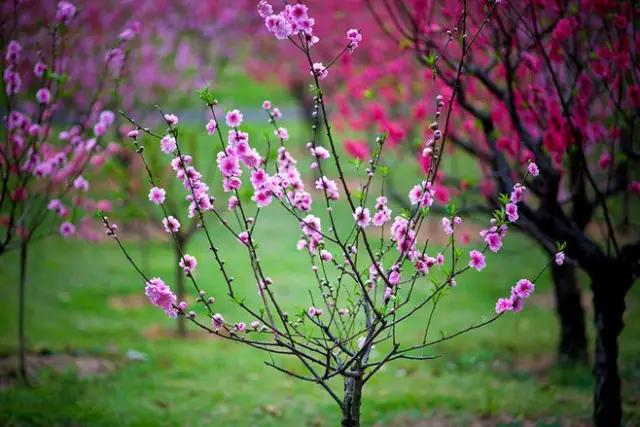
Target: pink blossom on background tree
point(45, 163)
point(361, 285)
point(178, 44)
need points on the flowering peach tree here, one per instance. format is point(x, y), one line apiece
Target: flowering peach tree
point(366, 278)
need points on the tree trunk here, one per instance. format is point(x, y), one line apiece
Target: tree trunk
point(609, 290)
point(352, 400)
point(180, 294)
point(21, 312)
point(573, 338)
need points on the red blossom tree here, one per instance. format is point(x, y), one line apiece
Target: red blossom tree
point(557, 83)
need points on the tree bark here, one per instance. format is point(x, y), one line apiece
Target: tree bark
point(573, 338)
point(609, 289)
point(21, 312)
point(352, 400)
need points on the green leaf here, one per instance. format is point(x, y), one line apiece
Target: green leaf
point(206, 94)
point(238, 300)
point(430, 59)
point(61, 78)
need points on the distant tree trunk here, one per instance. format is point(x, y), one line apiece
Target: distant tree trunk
point(573, 338)
point(21, 311)
point(609, 288)
point(352, 400)
point(180, 290)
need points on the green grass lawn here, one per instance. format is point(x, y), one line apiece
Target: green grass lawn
point(503, 372)
point(492, 372)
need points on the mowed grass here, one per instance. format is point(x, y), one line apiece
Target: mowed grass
point(490, 372)
point(84, 299)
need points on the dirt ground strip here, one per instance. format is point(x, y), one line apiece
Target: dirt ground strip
point(83, 365)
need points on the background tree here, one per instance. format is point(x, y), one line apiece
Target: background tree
point(180, 45)
point(43, 164)
point(70, 65)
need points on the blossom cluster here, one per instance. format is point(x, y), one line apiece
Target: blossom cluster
point(11, 75)
point(493, 237)
point(382, 214)
point(329, 186)
point(291, 21)
point(56, 163)
point(161, 296)
point(422, 194)
point(521, 291)
point(498, 230)
point(311, 227)
point(354, 37)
